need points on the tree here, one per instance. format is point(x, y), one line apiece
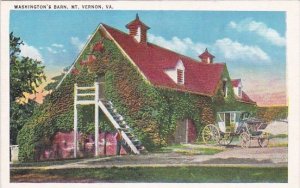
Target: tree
point(25, 75)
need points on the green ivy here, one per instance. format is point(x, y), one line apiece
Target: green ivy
point(152, 112)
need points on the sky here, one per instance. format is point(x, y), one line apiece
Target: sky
point(251, 43)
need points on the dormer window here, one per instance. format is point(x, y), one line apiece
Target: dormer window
point(180, 76)
point(237, 87)
point(177, 73)
point(240, 91)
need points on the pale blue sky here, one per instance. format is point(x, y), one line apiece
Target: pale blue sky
point(251, 43)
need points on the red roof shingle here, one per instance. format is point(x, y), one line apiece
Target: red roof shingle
point(246, 98)
point(206, 54)
point(153, 60)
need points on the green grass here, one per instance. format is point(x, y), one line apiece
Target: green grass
point(278, 136)
point(283, 144)
point(190, 150)
point(45, 163)
point(155, 174)
point(198, 151)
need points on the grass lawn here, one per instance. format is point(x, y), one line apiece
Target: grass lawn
point(188, 149)
point(155, 174)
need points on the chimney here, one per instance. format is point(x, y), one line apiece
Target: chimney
point(206, 57)
point(138, 30)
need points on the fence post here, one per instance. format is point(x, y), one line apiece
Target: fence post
point(96, 119)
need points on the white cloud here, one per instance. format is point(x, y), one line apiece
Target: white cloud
point(77, 43)
point(30, 51)
point(183, 46)
point(51, 50)
point(261, 29)
point(231, 50)
point(54, 48)
point(234, 50)
point(57, 45)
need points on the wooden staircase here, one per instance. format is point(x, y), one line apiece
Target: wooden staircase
point(90, 95)
point(119, 123)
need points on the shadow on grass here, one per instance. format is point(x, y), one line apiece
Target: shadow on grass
point(156, 174)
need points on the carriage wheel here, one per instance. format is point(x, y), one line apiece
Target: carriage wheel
point(263, 140)
point(226, 139)
point(245, 140)
point(210, 134)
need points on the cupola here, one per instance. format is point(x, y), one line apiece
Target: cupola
point(138, 30)
point(206, 57)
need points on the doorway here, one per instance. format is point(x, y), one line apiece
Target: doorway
point(185, 132)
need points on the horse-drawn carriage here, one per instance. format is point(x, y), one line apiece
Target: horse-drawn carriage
point(235, 123)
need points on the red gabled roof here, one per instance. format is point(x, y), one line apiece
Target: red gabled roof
point(246, 98)
point(153, 60)
point(235, 82)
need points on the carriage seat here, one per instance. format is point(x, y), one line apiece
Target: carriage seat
point(256, 133)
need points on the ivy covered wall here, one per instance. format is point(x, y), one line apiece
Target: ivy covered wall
point(229, 103)
point(152, 112)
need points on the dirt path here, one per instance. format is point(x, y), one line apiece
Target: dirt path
point(235, 156)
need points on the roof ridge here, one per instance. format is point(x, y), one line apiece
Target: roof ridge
point(209, 74)
point(169, 50)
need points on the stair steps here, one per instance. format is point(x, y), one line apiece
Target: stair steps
point(119, 123)
point(89, 95)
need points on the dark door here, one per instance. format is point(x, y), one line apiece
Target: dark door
point(181, 132)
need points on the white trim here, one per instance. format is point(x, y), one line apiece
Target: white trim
point(86, 94)
point(96, 119)
point(86, 88)
point(86, 102)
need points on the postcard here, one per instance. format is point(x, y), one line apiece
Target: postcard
point(160, 92)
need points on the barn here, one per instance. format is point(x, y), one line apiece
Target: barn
point(155, 96)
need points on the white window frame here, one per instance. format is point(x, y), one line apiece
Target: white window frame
point(172, 72)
